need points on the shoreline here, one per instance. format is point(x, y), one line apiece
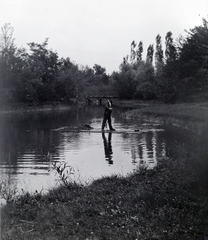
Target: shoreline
point(167, 202)
point(26, 108)
point(191, 110)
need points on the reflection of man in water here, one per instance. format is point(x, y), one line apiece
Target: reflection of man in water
point(108, 147)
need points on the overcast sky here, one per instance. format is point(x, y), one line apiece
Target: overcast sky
point(99, 31)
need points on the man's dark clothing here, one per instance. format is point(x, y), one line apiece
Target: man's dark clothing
point(107, 115)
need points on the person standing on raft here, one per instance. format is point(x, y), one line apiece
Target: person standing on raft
point(107, 115)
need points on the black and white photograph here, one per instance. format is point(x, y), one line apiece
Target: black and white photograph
point(103, 120)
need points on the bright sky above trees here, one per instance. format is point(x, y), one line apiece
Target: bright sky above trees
point(99, 31)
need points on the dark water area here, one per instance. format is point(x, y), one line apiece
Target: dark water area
point(31, 141)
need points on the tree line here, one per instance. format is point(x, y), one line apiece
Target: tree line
point(177, 73)
point(38, 75)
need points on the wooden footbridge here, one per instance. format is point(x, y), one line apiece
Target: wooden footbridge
point(100, 95)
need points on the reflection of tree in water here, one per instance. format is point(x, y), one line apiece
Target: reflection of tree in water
point(36, 142)
point(108, 147)
point(26, 137)
point(133, 155)
point(146, 148)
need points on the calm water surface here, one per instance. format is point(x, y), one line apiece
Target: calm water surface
point(32, 141)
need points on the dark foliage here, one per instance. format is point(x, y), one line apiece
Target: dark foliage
point(181, 73)
point(39, 76)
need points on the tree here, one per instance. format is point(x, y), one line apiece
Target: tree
point(98, 69)
point(67, 83)
point(7, 46)
point(139, 52)
point(8, 63)
point(170, 51)
point(7, 55)
point(65, 64)
point(159, 55)
point(43, 66)
point(193, 57)
point(100, 76)
point(43, 62)
point(88, 75)
point(150, 52)
point(166, 74)
point(145, 79)
point(125, 81)
point(133, 52)
point(170, 68)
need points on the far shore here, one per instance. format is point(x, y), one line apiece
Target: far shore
point(192, 110)
point(29, 108)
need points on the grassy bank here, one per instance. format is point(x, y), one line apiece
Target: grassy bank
point(164, 203)
point(168, 202)
point(194, 111)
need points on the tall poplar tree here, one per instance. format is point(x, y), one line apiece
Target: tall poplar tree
point(150, 52)
point(170, 51)
point(159, 52)
point(133, 52)
point(7, 54)
point(139, 52)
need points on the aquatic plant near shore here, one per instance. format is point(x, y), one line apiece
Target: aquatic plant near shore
point(67, 174)
point(6, 192)
point(64, 172)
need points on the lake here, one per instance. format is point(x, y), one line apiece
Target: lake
point(32, 141)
